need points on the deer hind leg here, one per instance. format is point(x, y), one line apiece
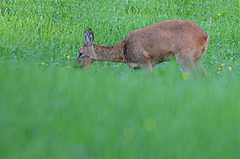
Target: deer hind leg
point(198, 63)
point(197, 59)
point(184, 61)
point(189, 62)
point(202, 70)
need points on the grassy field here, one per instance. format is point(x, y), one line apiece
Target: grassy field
point(109, 110)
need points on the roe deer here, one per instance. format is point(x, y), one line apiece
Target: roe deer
point(146, 47)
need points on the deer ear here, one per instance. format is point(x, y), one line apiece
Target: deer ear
point(89, 37)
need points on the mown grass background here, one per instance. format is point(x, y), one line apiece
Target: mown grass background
point(109, 110)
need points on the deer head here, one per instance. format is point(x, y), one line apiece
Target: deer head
point(86, 53)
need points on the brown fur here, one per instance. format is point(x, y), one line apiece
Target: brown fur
point(146, 47)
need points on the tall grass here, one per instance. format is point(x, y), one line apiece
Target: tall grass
point(110, 110)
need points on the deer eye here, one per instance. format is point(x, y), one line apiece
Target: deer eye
point(80, 54)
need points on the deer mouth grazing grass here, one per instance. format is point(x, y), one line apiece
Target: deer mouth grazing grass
point(146, 47)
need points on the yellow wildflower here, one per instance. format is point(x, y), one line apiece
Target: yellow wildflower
point(68, 56)
point(230, 68)
point(219, 14)
point(219, 68)
point(218, 72)
point(222, 65)
point(43, 63)
point(185, 75)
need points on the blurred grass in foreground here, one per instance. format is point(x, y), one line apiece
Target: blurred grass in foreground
point(70, 114)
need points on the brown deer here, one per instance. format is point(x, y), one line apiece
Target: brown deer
point(146, 47)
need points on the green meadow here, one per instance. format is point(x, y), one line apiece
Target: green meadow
point(49, 109)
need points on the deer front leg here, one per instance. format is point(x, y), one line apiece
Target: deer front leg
point(133, 65)
point(146, 61)
point(147, 66)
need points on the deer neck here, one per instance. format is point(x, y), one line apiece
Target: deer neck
point(109, 53)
